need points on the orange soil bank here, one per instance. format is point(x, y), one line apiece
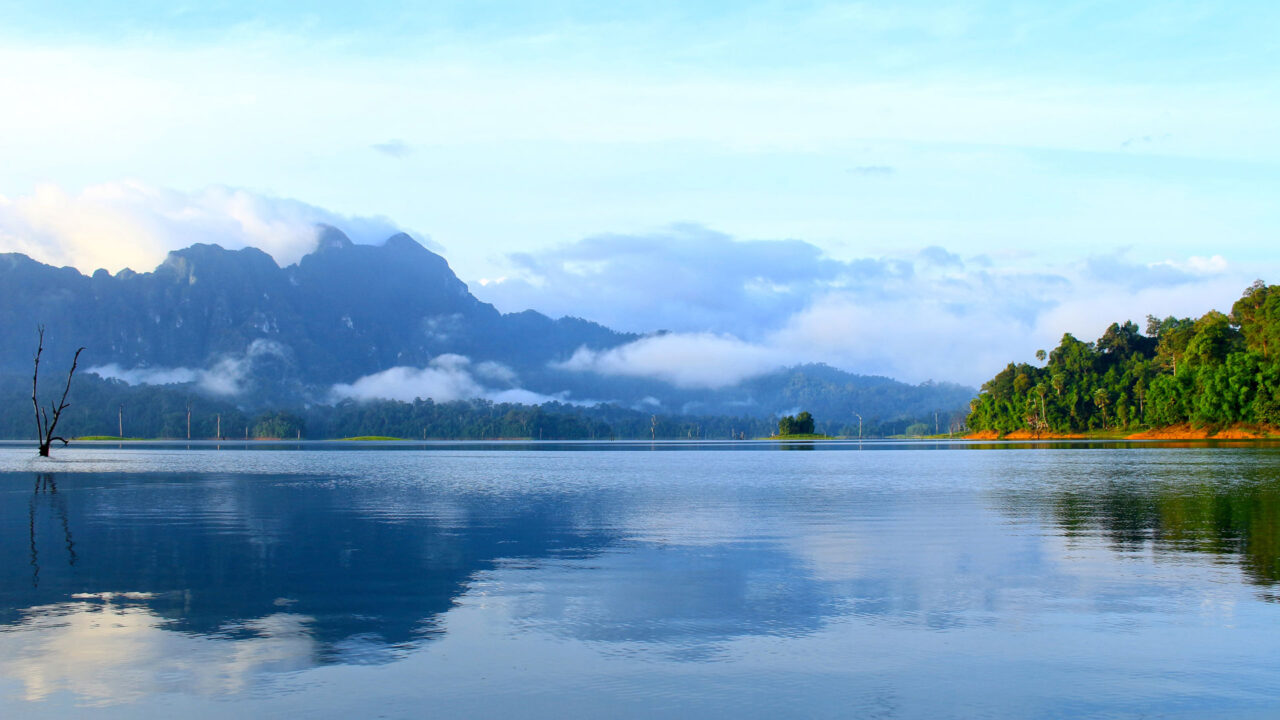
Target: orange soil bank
point(1041, 435)
point(983, 435)
point(1187, 432)
point(1022, 435)
point(1172, 432)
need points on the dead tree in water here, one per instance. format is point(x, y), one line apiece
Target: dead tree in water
point(45, 425)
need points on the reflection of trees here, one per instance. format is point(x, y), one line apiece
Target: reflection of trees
point(46, 489)
point(1239, 518)
point(1236, 519)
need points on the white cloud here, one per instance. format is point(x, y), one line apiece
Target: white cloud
point(529, 397)
point(447, 378)
point(131, 224)
point(1204, 265)
point(955, 320)
point(145, 375)
point(684, 360)
point(1088, 312)
point(496, 372)
point(227, 376)
point(969, 334)
point(684, 278)
point(911, 339)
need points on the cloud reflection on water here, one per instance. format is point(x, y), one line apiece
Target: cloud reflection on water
point(112, 652)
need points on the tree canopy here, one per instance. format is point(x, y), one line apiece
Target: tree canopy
point(1212, 371)
point(801, 424)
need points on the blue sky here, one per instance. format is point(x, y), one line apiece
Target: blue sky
point(1082, 162)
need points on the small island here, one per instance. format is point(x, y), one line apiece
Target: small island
point(797, 427)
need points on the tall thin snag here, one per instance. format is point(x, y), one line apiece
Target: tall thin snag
point(46, 425)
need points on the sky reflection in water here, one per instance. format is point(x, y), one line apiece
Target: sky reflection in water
point(911, 583)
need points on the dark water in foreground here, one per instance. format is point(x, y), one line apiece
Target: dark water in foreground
point(570, 581)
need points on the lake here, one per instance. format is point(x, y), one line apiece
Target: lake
point(881, 580)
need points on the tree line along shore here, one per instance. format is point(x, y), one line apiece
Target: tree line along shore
point(1213, 377)
point(109, 409)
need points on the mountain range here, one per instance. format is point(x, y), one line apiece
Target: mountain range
point(363, 321)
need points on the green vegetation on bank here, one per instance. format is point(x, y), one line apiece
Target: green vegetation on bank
point(1210, 372)
point(798, 425)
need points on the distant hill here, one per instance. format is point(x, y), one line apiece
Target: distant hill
point(235, 324)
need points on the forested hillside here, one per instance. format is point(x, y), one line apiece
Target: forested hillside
point(109, 408)
point(102, 407)
point(1211, 372)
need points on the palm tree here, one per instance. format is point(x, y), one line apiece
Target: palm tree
point(1101, 399)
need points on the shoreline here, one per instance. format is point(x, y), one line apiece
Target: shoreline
point(1238, 431)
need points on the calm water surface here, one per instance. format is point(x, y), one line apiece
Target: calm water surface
point(895, 581)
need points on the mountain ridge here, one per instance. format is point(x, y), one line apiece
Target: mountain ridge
point(346, 312)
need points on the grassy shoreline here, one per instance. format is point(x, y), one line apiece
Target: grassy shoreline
point(802, 436)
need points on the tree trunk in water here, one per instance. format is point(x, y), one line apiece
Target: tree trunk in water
point(44, 450)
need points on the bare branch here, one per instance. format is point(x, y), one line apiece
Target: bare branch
point(62, 404)
point(44, 424)
point(35, 379)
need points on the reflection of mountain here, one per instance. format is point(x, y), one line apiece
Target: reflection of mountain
point(1188, 507)
point(219, 557)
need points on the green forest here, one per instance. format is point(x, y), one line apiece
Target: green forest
point(101, 408)
point(1211, 372)
point(111, 408)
